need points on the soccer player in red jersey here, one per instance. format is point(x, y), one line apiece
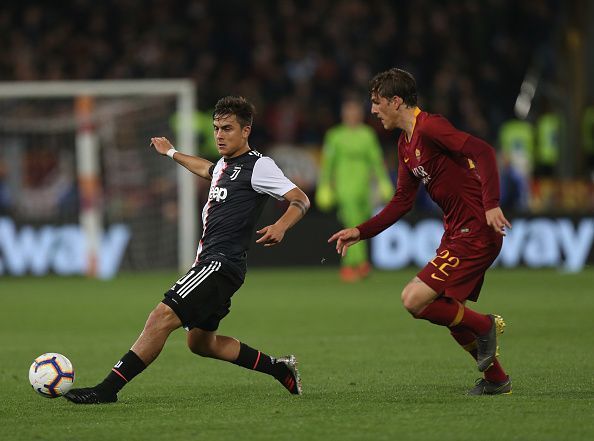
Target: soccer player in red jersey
point(460, 174)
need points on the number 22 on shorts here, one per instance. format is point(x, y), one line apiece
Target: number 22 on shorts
point(442, 261)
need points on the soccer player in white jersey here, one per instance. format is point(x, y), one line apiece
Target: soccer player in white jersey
point(241, 182)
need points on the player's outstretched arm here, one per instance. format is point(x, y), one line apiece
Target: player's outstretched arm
point(195, 164)
point(298, 206)
point(496, 220)
point(344, 239)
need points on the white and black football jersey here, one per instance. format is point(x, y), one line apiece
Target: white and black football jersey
point(239, 189)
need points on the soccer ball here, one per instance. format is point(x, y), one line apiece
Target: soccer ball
point(51, 375)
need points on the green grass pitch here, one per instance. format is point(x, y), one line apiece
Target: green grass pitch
point(369, 371)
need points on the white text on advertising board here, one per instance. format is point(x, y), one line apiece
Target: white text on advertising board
point(538, 243)
point(58, 249)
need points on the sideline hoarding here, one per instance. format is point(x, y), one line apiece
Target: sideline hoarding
point(539, 242)
point(61, 249)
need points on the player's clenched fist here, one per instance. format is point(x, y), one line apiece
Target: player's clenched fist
point(344, 239)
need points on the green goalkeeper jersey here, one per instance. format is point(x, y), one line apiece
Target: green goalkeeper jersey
point(351, 156)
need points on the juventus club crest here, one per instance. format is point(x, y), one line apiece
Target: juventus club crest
point(235, 173)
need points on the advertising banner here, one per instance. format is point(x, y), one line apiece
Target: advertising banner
point(566, 243)
point(60, 250)
point(540, 242)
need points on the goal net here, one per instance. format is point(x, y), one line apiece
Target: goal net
point(81, 191)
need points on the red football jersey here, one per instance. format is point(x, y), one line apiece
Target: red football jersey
point(458, 170)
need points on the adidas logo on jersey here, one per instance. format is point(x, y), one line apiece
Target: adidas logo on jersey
point(217, 193)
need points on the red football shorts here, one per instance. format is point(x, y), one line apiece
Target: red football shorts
point(458, 269)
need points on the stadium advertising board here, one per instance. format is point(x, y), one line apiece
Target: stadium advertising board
point(538, 242)
point(57, 249)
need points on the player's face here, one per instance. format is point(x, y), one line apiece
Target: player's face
point(230, 137)
point(386, 110)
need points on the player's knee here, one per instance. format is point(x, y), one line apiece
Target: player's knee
point(202, 348)
point(162, 319)
point(410, 300)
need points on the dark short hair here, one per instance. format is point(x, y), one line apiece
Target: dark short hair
point(395, 82)
point(235, 105)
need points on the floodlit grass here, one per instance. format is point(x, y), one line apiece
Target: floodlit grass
point(370, 372)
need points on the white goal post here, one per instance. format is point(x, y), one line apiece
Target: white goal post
point(86, 150)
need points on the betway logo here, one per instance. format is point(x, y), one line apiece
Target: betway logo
point(59, 249)
point(538, 242)
point(217, 193)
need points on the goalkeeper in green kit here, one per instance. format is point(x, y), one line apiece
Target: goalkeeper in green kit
point(350, 158)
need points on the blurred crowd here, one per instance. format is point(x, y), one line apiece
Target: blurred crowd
point(298, 59)
point(294, 58)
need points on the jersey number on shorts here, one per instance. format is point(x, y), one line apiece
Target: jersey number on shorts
point(442, 261)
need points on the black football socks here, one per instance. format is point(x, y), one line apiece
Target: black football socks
point(253, 359)
point(129, 366)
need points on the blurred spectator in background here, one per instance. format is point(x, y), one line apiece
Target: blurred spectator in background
point(48, 189)
point(351, 157)
point(5, 199)
point(514, 188)
point(203, 130)
point(516, 141)
point(588, 139)
point(548, 138)
point(294, 59)
point(205, 142)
